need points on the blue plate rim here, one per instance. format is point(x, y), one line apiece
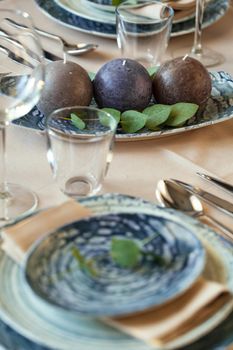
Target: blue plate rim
point(109, 31)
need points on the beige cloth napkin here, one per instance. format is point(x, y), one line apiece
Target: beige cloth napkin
point(18, 238)
point(161, 325)
point(156, 326)
point(181, 4)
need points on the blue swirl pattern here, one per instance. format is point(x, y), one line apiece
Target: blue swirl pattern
point(53, 274)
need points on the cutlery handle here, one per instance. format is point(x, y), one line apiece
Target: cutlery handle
point(227, 232)
point(48, 35)
point(222, 184)
point(39, 31)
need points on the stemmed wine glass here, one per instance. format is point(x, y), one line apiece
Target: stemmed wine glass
point(21, 81)
point(206, 56)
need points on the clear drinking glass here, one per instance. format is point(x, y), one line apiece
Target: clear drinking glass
point(21, 81)
point(205, 55)
point(143, 30)
point(80, 141)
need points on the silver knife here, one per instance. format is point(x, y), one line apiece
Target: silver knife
point(222, 184)
point(217, 202)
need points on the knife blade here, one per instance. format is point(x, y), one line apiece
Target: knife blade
point(222, 184)
point(217, 202)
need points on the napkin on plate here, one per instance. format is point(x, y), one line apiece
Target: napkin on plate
point(161, 325)
point(156, 326)
point(19, 237)
point(181, 4)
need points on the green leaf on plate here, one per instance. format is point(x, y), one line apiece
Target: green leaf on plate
point(132, 121)
point(114, 112)
point(125, 252)
point(105, 120)
point(77, 122)
point(116, 2)
point(85, 264)
point(181, 112)
point(156, 115)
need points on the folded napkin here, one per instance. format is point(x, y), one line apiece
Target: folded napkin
point(18, 238)
point(161, 325)
point(157, 326)
point(181, 4)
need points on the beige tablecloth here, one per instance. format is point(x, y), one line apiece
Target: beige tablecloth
point(136, 166)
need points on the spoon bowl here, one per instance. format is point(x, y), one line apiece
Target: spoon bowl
point(172, 195)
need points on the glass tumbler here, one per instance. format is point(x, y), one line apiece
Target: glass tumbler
point(80, 141)
point(143, 30)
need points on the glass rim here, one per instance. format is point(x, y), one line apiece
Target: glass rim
point(130, 3)
point(112, 126)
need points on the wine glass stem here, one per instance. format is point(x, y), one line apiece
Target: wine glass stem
point(4, 194)
point(197, 47)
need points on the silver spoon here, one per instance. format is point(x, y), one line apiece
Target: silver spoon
point(71, 49)
point(171, 195)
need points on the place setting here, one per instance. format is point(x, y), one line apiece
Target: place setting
point(105, 269)
point(125, 263)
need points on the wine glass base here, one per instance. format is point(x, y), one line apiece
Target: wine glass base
point(207, 57)
point(19, 203)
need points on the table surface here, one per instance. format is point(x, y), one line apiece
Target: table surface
point(136, 166)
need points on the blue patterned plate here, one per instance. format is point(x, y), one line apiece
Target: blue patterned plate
point(96, 26)
point(33, 325)
point(102, 11)
point(172, 259)
point(219, 108)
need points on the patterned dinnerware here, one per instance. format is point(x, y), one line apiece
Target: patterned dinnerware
point(30, 324)
point(218, 109)
point(90, 20)
point(172, 259)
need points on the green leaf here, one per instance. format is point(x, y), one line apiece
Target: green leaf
point(86, 265)
point(181, 112)
point(105, 120)
point(77, 122)
point(132, 121)
point(152, 71)
point(92, 75)
point(156, 115)
point(125, 252)
point(116, 2)
point(114, 112)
